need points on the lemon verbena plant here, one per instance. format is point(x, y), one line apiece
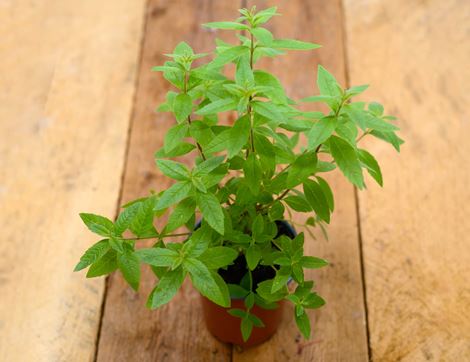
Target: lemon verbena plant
point(247, 178)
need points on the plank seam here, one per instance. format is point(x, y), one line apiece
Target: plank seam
point(356, 193)
point(125, 162)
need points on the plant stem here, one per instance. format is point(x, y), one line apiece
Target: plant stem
point(251, 280)
point(363, 135)
point(281, 196)
point(185, 91)
point(250, 110)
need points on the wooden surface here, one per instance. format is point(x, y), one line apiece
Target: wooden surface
point(68, 75)
point(416, 231)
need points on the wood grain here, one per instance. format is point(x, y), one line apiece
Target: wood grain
point(416, 230)
point(67, 76)
point(175, 332)
point(339, 330)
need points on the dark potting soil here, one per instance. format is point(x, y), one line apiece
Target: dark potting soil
point(235, 272)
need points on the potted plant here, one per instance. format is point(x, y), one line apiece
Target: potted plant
point(240, 253)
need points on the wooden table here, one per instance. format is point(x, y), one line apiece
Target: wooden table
point(78, 131)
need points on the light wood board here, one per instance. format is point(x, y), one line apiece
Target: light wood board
point(415, 55)
point(67, 76)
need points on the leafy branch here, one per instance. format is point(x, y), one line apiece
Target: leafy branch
point(247, 178)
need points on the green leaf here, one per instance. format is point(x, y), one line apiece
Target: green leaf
point(283, 261)
point(174, 136)
point(348, 131)
point(183, 48)
point(252, 171)
point(98, 224)
point(125, 218)
point(244, 75)
point(313, 301)
point(327, 192)
point(173, 169)
point(208, 283)
point(356, 90)
point(226, 25)
point(235, 312)
point(141, 221)
point(236, 291)
point(323, 166)
point(212, 211)
point(260, 302)
point(281, 279)
point(311, 262)
point(116, 244)
point(276, 212)
point(174, 194)
point(181, 214)
point(238, 136)
point(371, 165)
point(182, 106)
point(221, 105)
point(246, 327)
point(129, 264)
point(298, 203)
point(292, 44)
point(264, 15)
point(303, 323)
point(314, 194)
point(229, 55)
point(160, 257)
point(321, 99)
point(389, 137)
point(166, 289)
point(253, 256)
point(208, 165)
point(250, 300)
point(263, 35)
point(327, 83)
point(220, 142)
point(199, 241)
point(180, 149)
point(264, 289)
point(321, 131)
point(218, 257)
point(272, 86)
point(346, 158)
point(257, 227)
point(93, 254)
point(268, 110)
point(298, 273)
point(104, 265)
point(375, 123)
point(376, 108)
point(163, 68)
point(304, 166)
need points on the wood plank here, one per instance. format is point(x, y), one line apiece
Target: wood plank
point(416, 230)
point(339, 331)
point(175, 332)
point(67, 79)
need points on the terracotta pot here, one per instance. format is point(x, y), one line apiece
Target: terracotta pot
point(227, 328)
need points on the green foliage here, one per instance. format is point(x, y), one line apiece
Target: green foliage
point(246, 177)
